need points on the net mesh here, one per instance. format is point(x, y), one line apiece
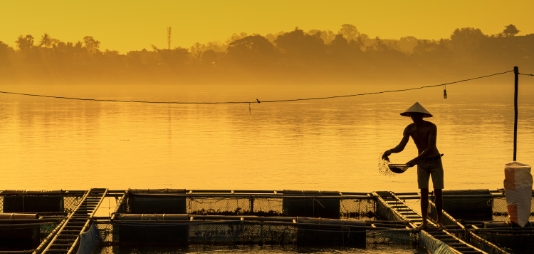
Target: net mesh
point(17, 201)
point(485, 245)
point(265, 233)
point(354, 209)
point(511, 241)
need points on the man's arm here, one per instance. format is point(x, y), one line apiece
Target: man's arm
point(402, 144)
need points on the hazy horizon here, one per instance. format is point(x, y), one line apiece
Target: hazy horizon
point(262, 42)
point(125, 26)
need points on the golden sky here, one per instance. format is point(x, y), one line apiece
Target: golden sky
point(126, 25)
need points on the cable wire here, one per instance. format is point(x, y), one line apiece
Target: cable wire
point(257, 100)
point(526, 74)
point(389, 91)
point(111, 100)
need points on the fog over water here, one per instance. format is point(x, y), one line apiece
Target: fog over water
point(330, 144)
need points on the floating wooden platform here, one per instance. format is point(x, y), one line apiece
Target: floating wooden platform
point(67, 221)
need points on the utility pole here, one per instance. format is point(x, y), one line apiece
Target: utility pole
point(169, 37)
point(516, 72)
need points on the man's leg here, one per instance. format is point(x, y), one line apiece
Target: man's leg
point(424, 208)
point(438, 195)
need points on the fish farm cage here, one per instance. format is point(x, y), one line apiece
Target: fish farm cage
point(67, 221)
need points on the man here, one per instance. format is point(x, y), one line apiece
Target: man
point(428, 161)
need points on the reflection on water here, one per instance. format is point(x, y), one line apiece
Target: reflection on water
point(321, 145)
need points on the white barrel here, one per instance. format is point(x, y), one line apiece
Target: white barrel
point(518, 191)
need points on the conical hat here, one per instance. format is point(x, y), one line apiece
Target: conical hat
point(416, 108)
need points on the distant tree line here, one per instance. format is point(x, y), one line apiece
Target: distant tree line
point(343, 55)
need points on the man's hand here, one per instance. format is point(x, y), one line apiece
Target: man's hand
point(386, 154)
point(412, 162)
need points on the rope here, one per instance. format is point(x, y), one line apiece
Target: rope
point(257, 100)
point(389, 91)
point(111, 100)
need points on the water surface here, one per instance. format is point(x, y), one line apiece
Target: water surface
point(307, 145)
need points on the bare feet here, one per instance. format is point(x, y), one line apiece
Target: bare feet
point(421, 227)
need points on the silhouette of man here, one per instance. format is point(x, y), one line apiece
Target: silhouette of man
point(428, 161)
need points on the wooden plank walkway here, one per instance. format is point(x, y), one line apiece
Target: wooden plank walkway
point(403, 212)
point(68, 236)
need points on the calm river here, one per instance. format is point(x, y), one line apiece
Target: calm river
point(331, 144)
